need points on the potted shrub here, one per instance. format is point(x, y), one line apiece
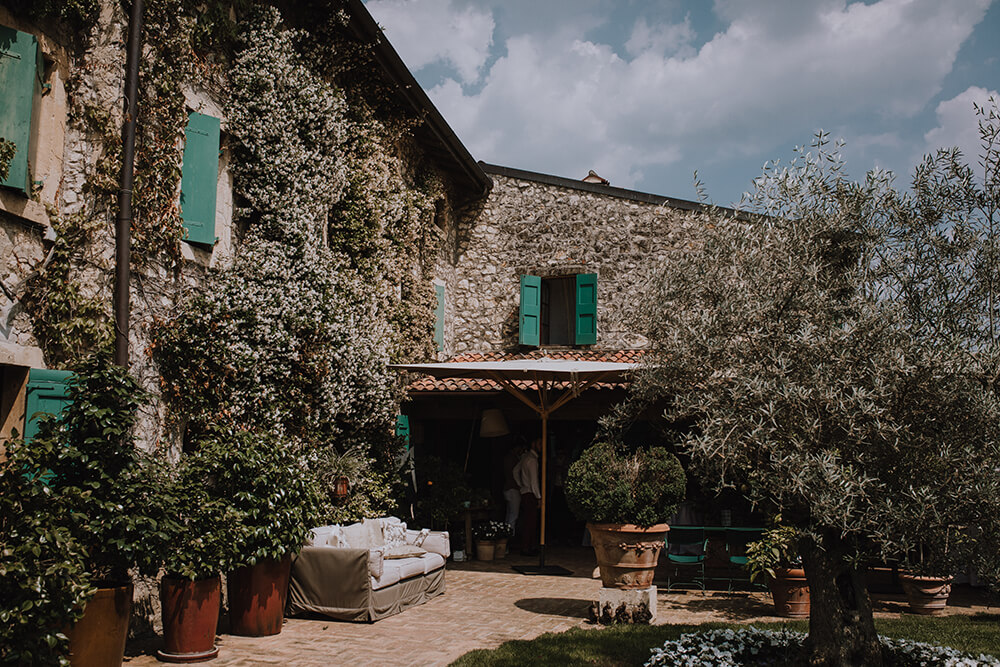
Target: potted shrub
point(274, 502)
point(204, 536)
point(487, 533)
point(100, 487)
point(775, 557)
point(626, 499)
point(926, 590)
point(44, 583)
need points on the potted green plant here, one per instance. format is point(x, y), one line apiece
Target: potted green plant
point(99, 484)
point(44, 583)
point(927, 590)
point(274, 501)
point(204, 534)
point(775, 557)
point(626, 498)
point(486, 534)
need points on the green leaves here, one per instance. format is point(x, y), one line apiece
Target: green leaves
point(643, 487)
point(240, 496)
point(837, 348)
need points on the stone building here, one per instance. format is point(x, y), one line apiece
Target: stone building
point(518, 263)
point(61, 109)
point(553, 267)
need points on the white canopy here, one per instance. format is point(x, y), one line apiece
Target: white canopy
point(538, 370)
point(544, 373)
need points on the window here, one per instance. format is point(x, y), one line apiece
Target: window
point(559, 310)
point(21, 70)
point(199, 178)
point(439, 318)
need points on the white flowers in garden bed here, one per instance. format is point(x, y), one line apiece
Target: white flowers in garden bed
point(752, 646)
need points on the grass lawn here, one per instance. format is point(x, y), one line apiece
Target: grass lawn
point(630, 645)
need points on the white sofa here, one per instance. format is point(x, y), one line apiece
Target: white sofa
point(352, 573)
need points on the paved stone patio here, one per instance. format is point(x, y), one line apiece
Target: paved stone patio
point(485, 604)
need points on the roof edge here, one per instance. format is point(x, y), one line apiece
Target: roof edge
point(597, 188)
point(366, 27)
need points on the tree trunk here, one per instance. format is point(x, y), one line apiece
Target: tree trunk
point(841, 627)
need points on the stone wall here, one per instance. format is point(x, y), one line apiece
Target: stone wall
point(553, 227)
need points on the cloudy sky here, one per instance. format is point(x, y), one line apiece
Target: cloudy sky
point(645, 92)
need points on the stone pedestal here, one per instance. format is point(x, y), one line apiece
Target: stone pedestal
point(616, 605)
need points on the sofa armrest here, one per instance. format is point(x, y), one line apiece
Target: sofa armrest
point(329, 577)
point(437, 541)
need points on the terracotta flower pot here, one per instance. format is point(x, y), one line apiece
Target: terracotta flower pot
point(98, 638)
point(927, 595)
point(257, 595)
point(485, 549)
point(790, 592)
point(190, 618)
point(627, 554)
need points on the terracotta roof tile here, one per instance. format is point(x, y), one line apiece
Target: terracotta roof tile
point(428, 384)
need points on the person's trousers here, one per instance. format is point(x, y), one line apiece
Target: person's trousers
point(513, 498)
point(529, 522)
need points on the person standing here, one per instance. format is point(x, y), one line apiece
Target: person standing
point(511, 489)
point(526, 476)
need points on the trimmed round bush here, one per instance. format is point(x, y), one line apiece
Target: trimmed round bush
point(608, 486)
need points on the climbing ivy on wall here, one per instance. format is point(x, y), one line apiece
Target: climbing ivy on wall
point(296, 335)
point(372, 215)
point(69, 298)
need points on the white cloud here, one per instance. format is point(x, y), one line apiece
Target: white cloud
point(673, 39)
point(958, 124)
point(556, 102)
point(431, 31)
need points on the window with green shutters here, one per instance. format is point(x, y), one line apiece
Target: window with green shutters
point(560, 310)
point(21, 70)
point(47, 393)
point(439, 318)
point(199, 178)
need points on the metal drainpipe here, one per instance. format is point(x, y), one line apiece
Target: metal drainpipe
point(124, 222)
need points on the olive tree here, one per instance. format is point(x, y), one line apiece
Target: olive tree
point(834, 345)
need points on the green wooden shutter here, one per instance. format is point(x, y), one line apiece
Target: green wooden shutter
point(47, 393)
point(439, 318)
point(199, 178)
point(531, 311)
point(403, 428)
point(586, 308)
point(20, 86)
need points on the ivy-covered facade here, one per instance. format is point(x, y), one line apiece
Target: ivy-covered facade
point(295, 196)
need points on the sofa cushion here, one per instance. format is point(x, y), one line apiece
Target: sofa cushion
point(432, 561)
point(335, 538)
point(394, 534)
point(373, 529)
point(355, 536)
point(435, 541)
point(390, 575)
point(375, 562)
point(409, 567)
point(318, 536)
point(403, 551)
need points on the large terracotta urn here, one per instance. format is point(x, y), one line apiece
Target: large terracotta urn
point(927, 595)
point(190, 612)
point(790, 592)
point(98, 638)
point(627, 554)
point(257, 595)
